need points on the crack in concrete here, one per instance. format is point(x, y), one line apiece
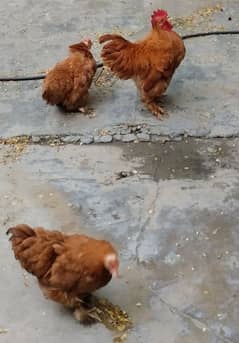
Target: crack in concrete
point(151, 212)
point(197, 323)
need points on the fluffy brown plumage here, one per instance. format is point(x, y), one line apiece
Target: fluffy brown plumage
point(150, 62)
point(68, 267)
point(67, 84)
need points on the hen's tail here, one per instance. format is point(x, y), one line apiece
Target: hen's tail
point(20, 232)
point(118, 54)
point(19, 235)
point(107, 37)
point(34, 254)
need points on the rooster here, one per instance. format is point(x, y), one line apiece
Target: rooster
point(150, 62)
point(68, 267)
point(67, 84)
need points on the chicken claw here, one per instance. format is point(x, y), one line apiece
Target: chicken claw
point(85, 316)
point(87, 111)
point(158, 111)
point(87, 301)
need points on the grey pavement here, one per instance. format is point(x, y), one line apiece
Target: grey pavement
point(173, 219)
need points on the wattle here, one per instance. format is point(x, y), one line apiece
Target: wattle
point(167, 26)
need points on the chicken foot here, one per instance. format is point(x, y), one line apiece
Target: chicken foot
point(86, 316)
point(157, 110)
point(83, 307)
point(87, 111)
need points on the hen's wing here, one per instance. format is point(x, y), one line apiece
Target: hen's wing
point(77, 268)
point(163, 59)
point(68, 270)
point(83, 75)
point(58, 83)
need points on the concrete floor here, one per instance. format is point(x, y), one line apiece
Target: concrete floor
point(174, 219)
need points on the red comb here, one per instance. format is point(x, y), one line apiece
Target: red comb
point(159, 13)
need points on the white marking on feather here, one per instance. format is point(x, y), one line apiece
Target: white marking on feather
point(89, 279)
point(110, 258)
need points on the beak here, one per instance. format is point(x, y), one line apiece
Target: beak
point(88, 43)
point(115, 273)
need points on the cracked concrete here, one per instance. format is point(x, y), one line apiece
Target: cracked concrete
point(168, 202)
point(177, 235)
point(151, 212)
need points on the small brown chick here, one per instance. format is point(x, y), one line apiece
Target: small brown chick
point(67, 84)
point(68, 267)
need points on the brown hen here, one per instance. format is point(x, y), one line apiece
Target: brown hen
point(150, 62)
point(68, 267)
point(67, 84)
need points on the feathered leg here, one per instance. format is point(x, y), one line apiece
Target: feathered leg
point(154, 108)
point(81, 306)
point(151, 90)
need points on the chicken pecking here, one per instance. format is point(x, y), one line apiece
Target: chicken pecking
point(68, 267)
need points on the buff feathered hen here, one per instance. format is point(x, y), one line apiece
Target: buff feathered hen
point(67, 84)
point(68, 267)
